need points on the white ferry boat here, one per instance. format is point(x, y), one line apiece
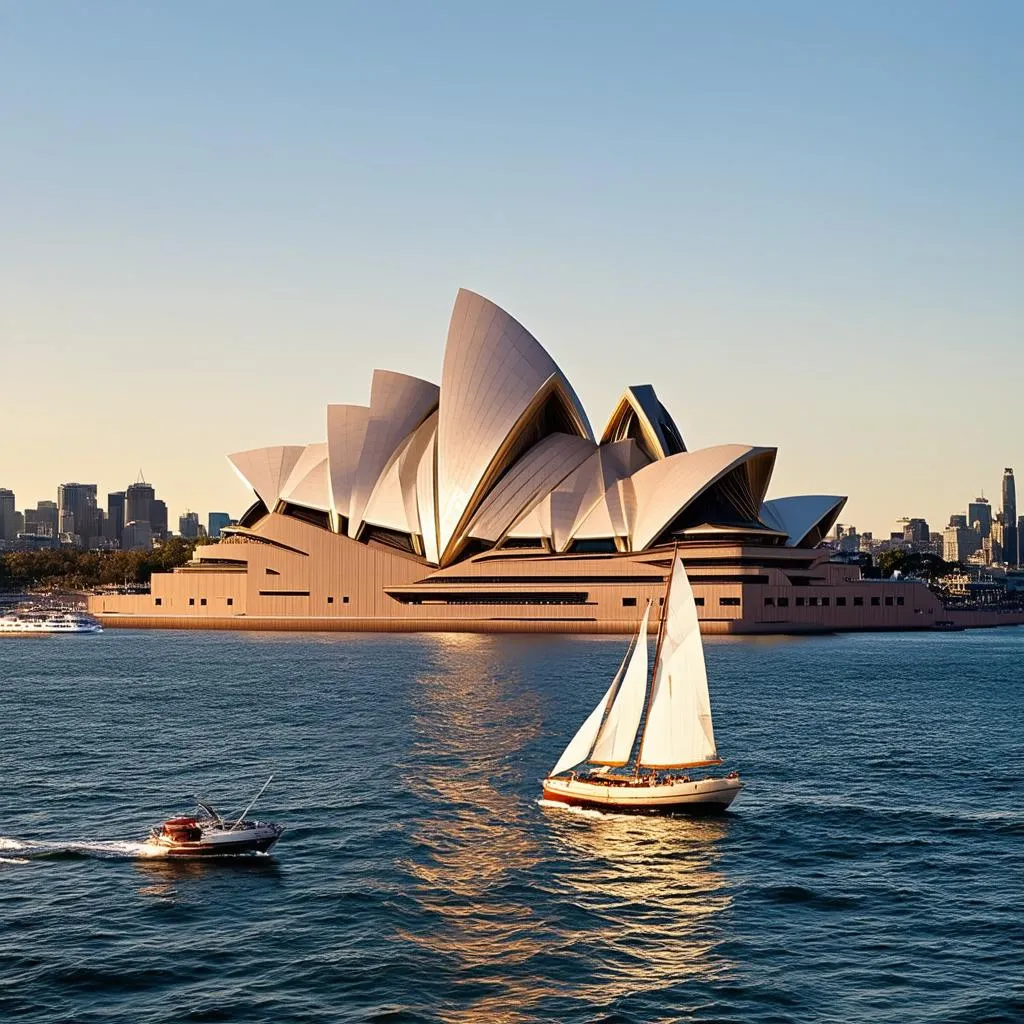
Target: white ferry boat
point(47, 622)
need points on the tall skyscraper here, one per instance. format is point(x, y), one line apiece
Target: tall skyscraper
point(76, 504)
point(115, 514)
point(158, 518)
point(138, 502)
point(980, 511)
point(188, 525)
point(8, 526)
point(1011, 540)
point(216, 522)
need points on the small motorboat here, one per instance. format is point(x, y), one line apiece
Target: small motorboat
point(207, 834)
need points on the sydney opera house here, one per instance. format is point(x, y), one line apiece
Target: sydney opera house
point(488, 503)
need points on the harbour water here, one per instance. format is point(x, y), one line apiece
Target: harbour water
point(873, 869)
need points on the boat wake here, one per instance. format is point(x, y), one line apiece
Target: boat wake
point(18, 851)
point(583, 812)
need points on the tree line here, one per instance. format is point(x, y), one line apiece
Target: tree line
point(74, 569)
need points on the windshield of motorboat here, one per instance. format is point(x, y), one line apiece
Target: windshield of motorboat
point(209, 809)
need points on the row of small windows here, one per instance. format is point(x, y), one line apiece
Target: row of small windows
point(630, 602)
point(823, 602)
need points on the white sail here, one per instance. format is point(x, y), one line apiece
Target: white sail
point(580, 745)
point(679, 732)
point(615, 740)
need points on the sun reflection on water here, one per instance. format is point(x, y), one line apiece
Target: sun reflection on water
point(628, 904)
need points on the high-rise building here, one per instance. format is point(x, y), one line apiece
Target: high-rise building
point(138, 502)
point(43, 520)
point(115, 514)
point(158, 518)
point(7, 519)
point(1011, 538)
point(216, 522)
point(137, 535)
point(188, 525)
point(959, 541)
point(76, 505)
point(914, 532)
point(979, 516)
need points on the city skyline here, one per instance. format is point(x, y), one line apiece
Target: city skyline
point(805, 232)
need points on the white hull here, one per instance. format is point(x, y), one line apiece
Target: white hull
point(46, 627)
point(702, 795)
point(215, 842)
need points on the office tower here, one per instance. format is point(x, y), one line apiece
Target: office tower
point(42, 521)
point(914, 532)
point(7, 510)
point(979, 512)
point(158, 518)
point(216, 522)
point(76, 504)
point(188, 525)
point(959, 541)
point(1011, 539)
point(115, 514)
point(138, 502)
point(137, 535)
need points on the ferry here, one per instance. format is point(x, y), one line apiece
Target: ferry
point(44, 623)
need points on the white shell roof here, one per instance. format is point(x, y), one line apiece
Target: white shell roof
point(398, 405)
point(664, 488)
point(535, 474)
point(659, 434)
point(346, 431)
point(266, 470)
point(493, 369)
point(801, 515)
point(504, 449)
point(308, 483)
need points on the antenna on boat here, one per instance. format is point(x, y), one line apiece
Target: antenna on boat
point(241, 817)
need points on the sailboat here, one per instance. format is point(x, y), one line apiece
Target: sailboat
point(632, 752)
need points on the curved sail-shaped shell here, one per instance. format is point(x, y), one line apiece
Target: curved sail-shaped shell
point(500, 393)
point(665, 488)
point(639, 415)
point(541, 469)
point(265, 470)
point(398, 405)
point(592, 496)
point(805, 519)
point(425, 483)
point(309, 483)
point(346, 431)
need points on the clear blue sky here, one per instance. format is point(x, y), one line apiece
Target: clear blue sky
point(803, 223)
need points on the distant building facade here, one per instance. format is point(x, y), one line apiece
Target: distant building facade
point(76, 506)
point(188, 525)
point(8, 520)
point(137, 535)
point(1011, 538)
point(116, 507)
point(216, 522)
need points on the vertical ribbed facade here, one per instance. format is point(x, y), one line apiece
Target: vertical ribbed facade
point(1011, 540)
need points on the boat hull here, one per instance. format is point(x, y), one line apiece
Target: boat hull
point(705, 796)
point(224, 844)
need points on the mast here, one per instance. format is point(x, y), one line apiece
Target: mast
point(657, 652)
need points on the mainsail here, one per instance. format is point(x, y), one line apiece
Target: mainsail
point(678, 732)
point(615, 739)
